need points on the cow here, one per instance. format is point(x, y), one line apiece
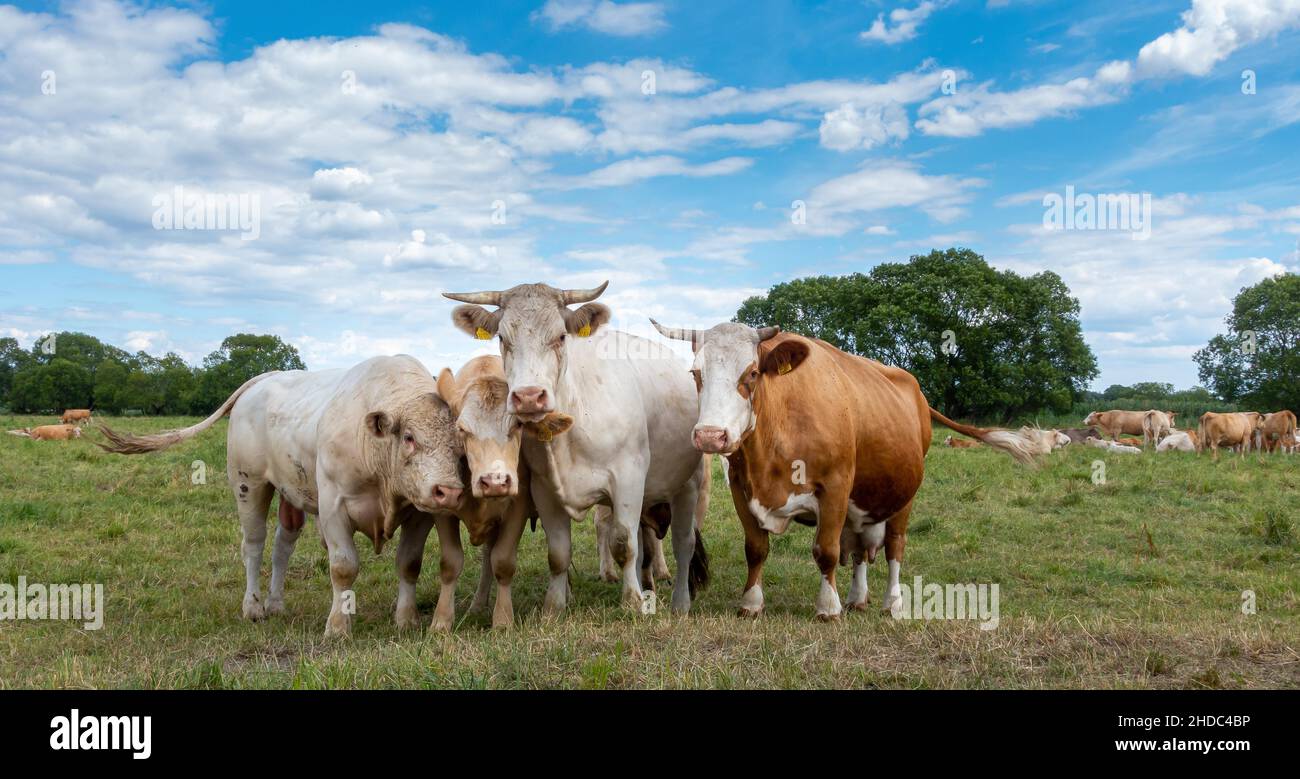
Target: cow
point(76, 416)
point(364, 449)
point(1177, 441)
point(1234, 430)
point(630, 446)
point(1116, 423)
point(1080, 434)
point(1113, 446)
point(1276, 428)
point(814, 435)
point(1124, 441)
point(54, 432)
point(960, 443)
point(1156, 425)
point(495, 510)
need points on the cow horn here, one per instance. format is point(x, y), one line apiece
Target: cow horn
point(574, 296)
point(765, 333)
point(480, 298)
point(676, 333)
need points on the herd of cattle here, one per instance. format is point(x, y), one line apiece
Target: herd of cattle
point(69, 428)
point(571, 416)
point(1240, 431)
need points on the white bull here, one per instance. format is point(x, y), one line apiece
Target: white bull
point(633, 405)
point(358, 448)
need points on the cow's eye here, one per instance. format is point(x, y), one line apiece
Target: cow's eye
point(408, 438)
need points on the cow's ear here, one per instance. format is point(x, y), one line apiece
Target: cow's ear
point(448, 390)
point(550, 426)
point(784, 357)
point(586, 319)
point(378, 423)
point(476, 320)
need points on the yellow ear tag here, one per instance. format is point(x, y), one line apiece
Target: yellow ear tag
point(544, 433)
point(783, 368)
point(482, 335)
point(584, 331)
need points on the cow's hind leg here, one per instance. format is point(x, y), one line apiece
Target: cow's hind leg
point(483, 593)
point(684, 538)
point(288, 529)
point(254, 500)
point(604, 518)
point(895, 544)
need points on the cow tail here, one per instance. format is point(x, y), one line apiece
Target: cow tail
point(1006, 441)
point(126, 443)
point(698, 577)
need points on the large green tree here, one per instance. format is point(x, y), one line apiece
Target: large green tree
point(1257, 362)
point(52, 387)
point(982, 343)
point(240, 358)
point(13, 358)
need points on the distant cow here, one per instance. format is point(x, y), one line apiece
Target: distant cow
point(1177, 441)
point(1112, 446)
point(1277, 428)
point(1138, 442)
point(1156, 425)
point(1117, 423)
point(960, 443)
point(1078, 435)
point(54, 432)
point(76, 416)
point(1233, 430)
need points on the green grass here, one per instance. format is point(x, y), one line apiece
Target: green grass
point(1137, 582)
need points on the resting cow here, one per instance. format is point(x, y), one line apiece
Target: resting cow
point(364, 449)
point(1177, 441)
point(820, 437)
point(1078, 435)
point(54, 432)
point(1113, 446)
point(960, 443)
point(76, 416)
point(630, 445)
point(1276, 429)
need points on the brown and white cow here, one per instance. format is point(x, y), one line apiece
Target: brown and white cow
point(76, 416)
point(960, 443)
point(54, 432)
point(1276, 429)
point(820, 437)
point(1235, 430)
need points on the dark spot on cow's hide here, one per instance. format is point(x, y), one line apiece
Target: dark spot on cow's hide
point(243, 488)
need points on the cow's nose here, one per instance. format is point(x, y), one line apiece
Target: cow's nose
point(710, 439)
point(529, 400)
point(446, 497)
point(494, 485)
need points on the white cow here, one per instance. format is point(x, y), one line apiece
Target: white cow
point(633, 406)
point(359, 448)
point(1177, 441)
point(1112, 446)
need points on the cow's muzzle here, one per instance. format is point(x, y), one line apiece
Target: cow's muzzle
point(494, 485)
point(530, 402)
point(446, 497)
point(711, 440)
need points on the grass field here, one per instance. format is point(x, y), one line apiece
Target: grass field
point(1137, 582)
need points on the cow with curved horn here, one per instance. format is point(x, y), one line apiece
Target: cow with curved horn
point(629, 449)
point(821, 437)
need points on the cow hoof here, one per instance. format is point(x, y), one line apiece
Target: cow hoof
point(338, 628)
point(861, 606)
point(253, 610)
point(888, 608)
point(828, 617)
point(749, 613)
point(407, 619)
point(609, 577)
point(478, 609)
point(440, 624)
point(275, 606)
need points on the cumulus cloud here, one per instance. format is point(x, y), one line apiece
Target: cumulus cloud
point(847, 128)
point(1211, 31)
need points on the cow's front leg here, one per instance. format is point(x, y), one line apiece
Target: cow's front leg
point(604, 519)
point(453, 559)
point(833, 509)
point(691, 572)
point(756, 548)
point(336, 530)
point(502, 561)
point(483, 592)
point(625, 540)
point(410, 559)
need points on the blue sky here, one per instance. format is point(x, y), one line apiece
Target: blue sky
point(397, 150)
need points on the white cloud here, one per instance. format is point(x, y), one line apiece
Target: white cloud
point(625, 172)
point(847, 128)
point(879, 185)
point(904, 23)
point(1211, 31)
point(621, 19)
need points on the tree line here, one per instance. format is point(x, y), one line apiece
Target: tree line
point(76, 370)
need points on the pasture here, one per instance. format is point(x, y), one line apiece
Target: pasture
point(1137, 582)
